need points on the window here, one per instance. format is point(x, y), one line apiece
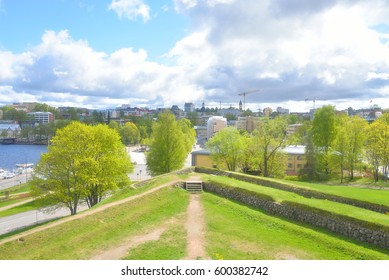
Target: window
point(299, 166)
point(299, 157)
point(290, 165)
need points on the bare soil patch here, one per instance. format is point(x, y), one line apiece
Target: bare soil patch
point(195, 226)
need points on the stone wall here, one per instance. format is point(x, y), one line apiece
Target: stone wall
point(303, 192)
point(343, 225)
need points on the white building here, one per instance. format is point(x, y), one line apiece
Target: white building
point(41, 117)
point(215, 124)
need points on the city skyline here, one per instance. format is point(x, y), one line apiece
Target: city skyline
point(100, 54)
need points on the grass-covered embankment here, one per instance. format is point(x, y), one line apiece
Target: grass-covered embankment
point(238, 232)
point(280, 196)
point(85, 237)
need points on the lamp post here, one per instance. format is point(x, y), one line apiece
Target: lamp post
point(140, 174)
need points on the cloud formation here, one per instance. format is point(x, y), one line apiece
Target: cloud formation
point(130, 9)
point(290, 50)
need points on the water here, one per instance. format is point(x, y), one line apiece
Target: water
point(10, 155)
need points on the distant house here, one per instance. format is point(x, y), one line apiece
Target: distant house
point(296, 159)
point(202, 158)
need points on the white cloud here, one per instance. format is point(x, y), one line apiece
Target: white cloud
point(130, 9)
point(62, 70)
point(292, 50)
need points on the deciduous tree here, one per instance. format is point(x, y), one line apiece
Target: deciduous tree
point(168, 148)
point(82, 163)
point(227, 147)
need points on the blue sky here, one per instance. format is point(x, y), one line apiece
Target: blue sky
point(22, 23)
point(104, 53)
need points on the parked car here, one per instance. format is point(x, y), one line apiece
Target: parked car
point(9, 175)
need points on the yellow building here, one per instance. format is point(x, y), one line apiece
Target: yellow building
point(202, 158)
point(296, 159)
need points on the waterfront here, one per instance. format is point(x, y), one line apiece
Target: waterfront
point(10, 155)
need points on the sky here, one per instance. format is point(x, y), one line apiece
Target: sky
point(283, 53)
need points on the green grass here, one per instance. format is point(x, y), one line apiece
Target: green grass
point(377, 196)
point(134, 190)
point(19, 209)
point(11, 201)
point(16, 189)
point(238, 232)
point(279, 196)
point(83, 238)
point(171, 246)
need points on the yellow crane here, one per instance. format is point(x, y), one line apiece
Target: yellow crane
point(244, 96)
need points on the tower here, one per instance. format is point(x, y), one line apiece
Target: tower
point(240, 105)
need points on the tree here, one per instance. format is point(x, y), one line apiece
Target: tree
point(269, 138)
point(193, 117)
point(324, 129)
point(130, 133)
point(227, 147)
point(168, 149)
point(356, 131)
point(377, 145)
point(341, 150)
point(82, 163)
point(189, 134)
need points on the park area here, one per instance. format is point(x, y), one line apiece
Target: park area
point(159, 219)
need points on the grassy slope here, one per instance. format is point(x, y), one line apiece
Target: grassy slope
point(80, 239)
point(378, 196)
point(235, 231)
point(280, 196)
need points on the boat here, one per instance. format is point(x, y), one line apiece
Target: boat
point(24, 167)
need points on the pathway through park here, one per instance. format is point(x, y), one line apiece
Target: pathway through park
point(195, 235)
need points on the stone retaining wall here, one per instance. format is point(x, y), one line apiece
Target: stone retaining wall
point(346, 226)
point(303, 192)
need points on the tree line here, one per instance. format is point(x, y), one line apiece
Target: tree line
point(84, 163)
point(337, 146)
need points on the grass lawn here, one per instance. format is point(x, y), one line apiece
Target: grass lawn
point(11, 201)
point(82, 238)
point(16, 189)
point(171, 246)
point(378, 196)
point(238, 232)
point(279, 195)
point(18, 209)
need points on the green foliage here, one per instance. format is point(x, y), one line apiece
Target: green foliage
point(377, 145)
point(227, 147)
point(324, 130)
point(83, 163)
point(168, 146)
point(130, 133)
point(268, 139)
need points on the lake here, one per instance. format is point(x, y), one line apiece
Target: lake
point(10, 155)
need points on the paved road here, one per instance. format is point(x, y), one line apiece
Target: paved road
point(17, 180)
point(29, 218)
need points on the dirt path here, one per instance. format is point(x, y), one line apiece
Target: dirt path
point(86, 213)
point(121, 251)
point(195, 225)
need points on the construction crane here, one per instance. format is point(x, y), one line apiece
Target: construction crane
point(314, 99)
point(244, 96)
